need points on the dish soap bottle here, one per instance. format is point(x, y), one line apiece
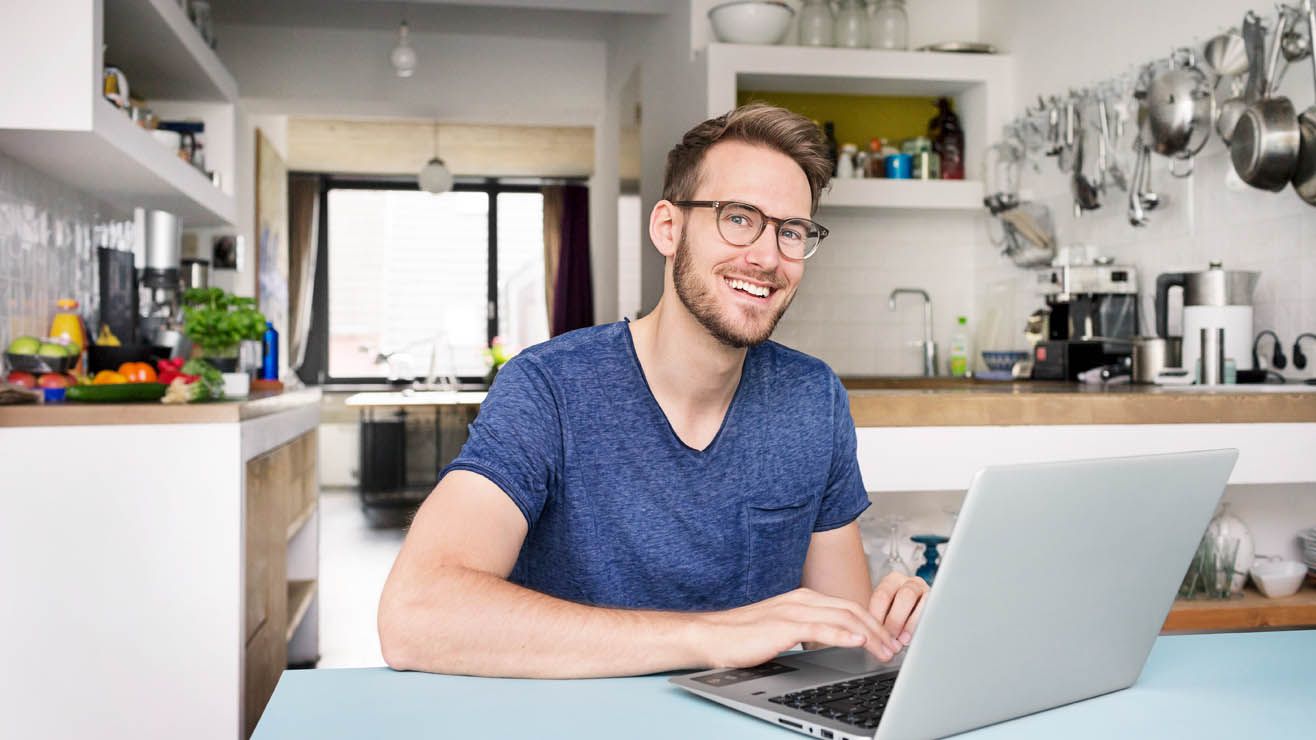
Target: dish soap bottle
point(67, 326)
point(959, 349)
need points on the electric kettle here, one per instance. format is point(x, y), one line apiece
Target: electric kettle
point(1215, 298)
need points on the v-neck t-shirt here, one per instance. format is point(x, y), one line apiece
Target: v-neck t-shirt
point(622, 513)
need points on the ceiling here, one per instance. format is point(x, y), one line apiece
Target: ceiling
point(553, 17)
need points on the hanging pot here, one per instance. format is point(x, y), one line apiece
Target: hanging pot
point(1265, 144)
point(1177, 110)
point(1304, 175)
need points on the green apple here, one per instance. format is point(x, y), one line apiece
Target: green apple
point(24, 346)
point(51, 349)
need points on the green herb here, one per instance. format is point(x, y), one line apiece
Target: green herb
point(209, 378)
point(216, 320)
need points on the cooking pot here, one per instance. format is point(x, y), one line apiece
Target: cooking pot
point(1266, 141)
point(1177, 108)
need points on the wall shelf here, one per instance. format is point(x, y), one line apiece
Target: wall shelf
point(300, 594)
point(965, 195)
point(1253, 611)
point(163, 53)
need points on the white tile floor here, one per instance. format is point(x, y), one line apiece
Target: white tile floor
point(354, 562)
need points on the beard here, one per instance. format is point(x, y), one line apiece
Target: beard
point(699, 300)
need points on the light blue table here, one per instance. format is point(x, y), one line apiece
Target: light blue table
point(1236, 686)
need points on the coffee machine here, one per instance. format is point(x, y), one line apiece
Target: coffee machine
point(1090, 319)
point(158, 245)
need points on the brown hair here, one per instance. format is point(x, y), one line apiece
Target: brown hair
point(757, 123)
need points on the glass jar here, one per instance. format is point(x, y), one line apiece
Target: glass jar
point(890, 25)
point(852, 25)
point(816, 23)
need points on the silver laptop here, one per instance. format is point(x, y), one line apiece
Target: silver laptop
point(1055, 584)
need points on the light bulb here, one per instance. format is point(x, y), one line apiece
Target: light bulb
point(435, 177)
point(403, 56)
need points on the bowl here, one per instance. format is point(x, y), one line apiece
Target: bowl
point(1278, 578)
point(1002, 360)
point(751, 21)
point(39, 363)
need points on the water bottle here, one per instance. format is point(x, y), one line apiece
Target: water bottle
point(269, 364)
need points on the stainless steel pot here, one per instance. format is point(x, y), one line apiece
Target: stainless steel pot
point(1178, 109)
point(1254, 40)
point(1264, 147)
point(1150, 357)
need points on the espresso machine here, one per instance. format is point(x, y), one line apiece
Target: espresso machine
point(1090, 320)
point(158, 246)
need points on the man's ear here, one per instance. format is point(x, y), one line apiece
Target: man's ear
point(665, 227)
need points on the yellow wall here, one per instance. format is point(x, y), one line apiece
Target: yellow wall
point(858, 118)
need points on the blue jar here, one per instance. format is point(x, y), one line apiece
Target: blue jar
point(898, 166)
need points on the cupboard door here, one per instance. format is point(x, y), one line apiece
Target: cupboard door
point(268, 479)
point(263, 662)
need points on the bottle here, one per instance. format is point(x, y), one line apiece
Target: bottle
point(829, 131)
point(269, 364)
point(890, 26)
point(816, 23)
point(845, 165)
point(875, 158)
point(947, 140)
point(959, 349)
point(67, 326)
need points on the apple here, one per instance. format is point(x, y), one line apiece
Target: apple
point(50, 349)
point(24, 346)
point(21, 379)
point(53, 380)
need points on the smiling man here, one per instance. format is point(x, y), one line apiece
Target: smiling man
point(674, 492)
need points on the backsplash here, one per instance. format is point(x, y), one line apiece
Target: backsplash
point(46, 249)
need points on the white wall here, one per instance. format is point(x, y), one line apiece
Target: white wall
point(1210, 215)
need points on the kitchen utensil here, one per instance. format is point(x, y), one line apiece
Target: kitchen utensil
point(1137, 214)
point(1264, 147)
point(1278, 578)
point(1295, 44)
point(1254, 44)
point(1304, 171)
point(1086, 190)
point(1110, 166)
point(1150, 357)
point(1053, 138)
point(1179, 105)
point(751, 21)
point(1068, 120)
point(1212, 298)
point(1002, 360)
point(1226, 53)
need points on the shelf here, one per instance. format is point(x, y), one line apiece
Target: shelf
point(855, 71)
point(300, 594)
point(1252, 611)
point(959, 195)
point(121, 164)
point(301, 519)
point(163, 54)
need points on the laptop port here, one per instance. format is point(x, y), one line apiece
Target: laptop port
point(826, 734)
point(788, 723)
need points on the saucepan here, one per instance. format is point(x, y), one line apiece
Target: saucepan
point(1254, 41)
point(1264, 148)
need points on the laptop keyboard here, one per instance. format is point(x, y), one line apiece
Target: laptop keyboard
point(859, 702)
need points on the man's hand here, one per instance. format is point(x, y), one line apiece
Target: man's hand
point(756, 633)
point(898, 603)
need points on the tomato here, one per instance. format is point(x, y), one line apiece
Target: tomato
point(108, 377)
point(53, 380)
point(21, 379)
point(137, 372)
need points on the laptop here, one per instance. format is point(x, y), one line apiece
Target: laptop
point(1055, 584)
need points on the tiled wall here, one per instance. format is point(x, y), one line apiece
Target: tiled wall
point(840, 313)
point(46, 249)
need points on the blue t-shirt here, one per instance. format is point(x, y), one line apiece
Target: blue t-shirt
point(622, 513)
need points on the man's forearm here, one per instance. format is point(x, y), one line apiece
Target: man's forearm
point(474, 623)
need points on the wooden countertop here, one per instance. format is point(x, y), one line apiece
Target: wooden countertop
point(920, 402)
point(94, 414)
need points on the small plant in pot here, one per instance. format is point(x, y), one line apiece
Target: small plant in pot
point(217, 321)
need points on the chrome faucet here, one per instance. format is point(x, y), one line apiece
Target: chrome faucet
point(929, 346)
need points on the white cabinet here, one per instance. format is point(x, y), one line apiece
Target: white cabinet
point(56, 120)
point(980, 84)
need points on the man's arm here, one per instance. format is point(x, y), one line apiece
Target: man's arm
point(447, 607)
point(836, 566)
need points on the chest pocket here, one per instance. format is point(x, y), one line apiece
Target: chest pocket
point(778, 540)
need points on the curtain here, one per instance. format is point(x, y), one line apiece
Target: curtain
point(553, 198)
point(303, 246)
point(572, 303)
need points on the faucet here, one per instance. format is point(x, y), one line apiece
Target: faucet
point(929, 346)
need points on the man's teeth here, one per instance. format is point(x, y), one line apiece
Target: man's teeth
point(758, 290)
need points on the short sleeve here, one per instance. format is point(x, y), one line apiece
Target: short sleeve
point(844, 498)
point(516, 439)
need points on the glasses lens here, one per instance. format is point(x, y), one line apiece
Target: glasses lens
point(740, 224)
point(798, 237)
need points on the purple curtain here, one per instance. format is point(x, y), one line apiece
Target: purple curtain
point(573, 294)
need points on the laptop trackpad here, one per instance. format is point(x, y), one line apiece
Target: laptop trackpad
point(847, 660)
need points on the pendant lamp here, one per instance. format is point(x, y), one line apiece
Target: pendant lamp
point(435, 177)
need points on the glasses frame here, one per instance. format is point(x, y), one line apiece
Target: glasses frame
point(718, 205)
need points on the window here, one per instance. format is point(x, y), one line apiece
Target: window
point(407, 278)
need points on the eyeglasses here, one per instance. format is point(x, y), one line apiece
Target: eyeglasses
point(741, 224)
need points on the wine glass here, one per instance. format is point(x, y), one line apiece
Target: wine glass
point(893, 562)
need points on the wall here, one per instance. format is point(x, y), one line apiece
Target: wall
point(1211, 215)
point(47, 249)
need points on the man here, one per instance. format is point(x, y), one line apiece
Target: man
point(674, 492)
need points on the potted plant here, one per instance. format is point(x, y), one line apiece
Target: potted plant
point(217, 321)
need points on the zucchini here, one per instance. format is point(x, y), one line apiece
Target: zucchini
point(116, 393)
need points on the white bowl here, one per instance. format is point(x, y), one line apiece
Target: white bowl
point(1276, 578)
point(237, 385)
point(751, 21)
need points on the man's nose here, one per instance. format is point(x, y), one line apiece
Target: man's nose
point(763, 251)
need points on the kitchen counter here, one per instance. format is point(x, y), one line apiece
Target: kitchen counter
point(940, 402)
point(98, 414)
point(1234, 685)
